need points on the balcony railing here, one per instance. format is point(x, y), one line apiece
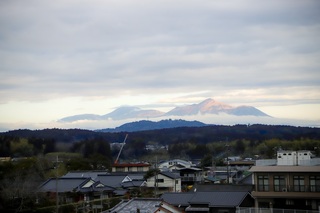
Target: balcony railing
point(194, 179)
point(289, 188)
point(273, 210)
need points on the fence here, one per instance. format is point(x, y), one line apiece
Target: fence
point(268, 210)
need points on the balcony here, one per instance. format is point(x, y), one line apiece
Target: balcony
point(289, 188)
point(273, 210)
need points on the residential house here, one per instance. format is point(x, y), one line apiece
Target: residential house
point(122, 182)
point(190, 176)
point(165, 182)
point(131, 167)
point(75, 189)
point(292, 183)
point(144, 205)
point(175, 164)
point(211, 198)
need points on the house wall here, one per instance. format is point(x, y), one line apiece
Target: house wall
point(173, 185)
point(130, 169)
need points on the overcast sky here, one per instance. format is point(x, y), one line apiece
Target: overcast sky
point(61, 58)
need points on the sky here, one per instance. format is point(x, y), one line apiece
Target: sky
point(61, 58)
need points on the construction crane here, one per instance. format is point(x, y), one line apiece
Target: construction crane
point(123, 143)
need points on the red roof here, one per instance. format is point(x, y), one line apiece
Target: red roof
point(131, 165)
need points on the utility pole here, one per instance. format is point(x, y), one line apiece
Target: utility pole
point(227, 151)
point(57, 195)
point(156, 178)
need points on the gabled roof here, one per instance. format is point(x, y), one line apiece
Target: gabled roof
point(143, 204)
point(111, 180)
point(97, 187)
point(219, 199)
point(134, 183)
point(209, 198)
point(64, 184)
point(177, 199)
point(191, 169)
point(86, 174)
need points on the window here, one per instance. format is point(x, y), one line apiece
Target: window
point(160, 180)
point(263, 183)
point(298, 183)
point(315, 183)
point(140, 169)
point(279, 183)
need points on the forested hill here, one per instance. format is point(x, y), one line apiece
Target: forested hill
point(206, 134)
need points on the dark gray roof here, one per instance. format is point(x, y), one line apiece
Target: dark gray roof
point(177, 199)
point(222, 187)
point(86, 174)
point(97, 187)
point(171, 175)
point(120, 192)
point(64, 184)
point(134, 183)
point(209, 198)
point(111, 180)
point(143, 204)
point(216, 199)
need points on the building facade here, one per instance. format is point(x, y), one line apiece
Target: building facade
point(290, 184)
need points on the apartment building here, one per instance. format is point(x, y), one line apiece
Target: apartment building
point(293, 182)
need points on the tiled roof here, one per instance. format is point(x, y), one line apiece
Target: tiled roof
point(177, 199)
point(86, 174)
point(210, 198)
point(134, 183)
point(64, 184)
point(215, 199)
point(111, 180)
point(143, 204)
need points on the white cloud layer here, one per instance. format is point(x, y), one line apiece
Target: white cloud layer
point(59, 58)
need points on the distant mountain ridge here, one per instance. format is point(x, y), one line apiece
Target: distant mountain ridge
point(145, 125)
point(208, 106)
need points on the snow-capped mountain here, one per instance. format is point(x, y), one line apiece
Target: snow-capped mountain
point(208, 106)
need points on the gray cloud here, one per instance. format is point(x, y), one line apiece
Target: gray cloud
point(55, 49)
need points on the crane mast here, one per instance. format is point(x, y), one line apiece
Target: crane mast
point(123, 143)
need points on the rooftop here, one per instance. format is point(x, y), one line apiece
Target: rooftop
point(285, 169)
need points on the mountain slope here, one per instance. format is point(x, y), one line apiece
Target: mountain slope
point(208, 106)
point(131, 112)
point(151, 125)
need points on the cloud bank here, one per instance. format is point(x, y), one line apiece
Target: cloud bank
point(160, 53)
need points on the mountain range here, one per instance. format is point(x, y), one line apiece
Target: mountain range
point(208, 106)
point(145, 125)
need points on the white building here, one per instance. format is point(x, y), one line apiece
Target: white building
point(174, 165)
point(165, 181)
point(293, 158)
